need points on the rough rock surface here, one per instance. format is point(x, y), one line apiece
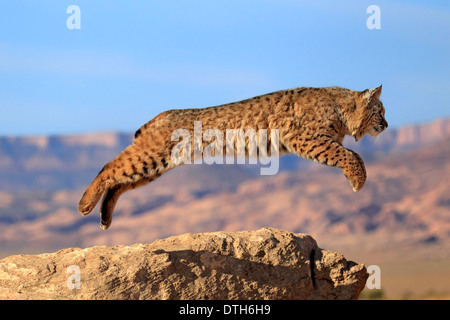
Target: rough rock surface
point(263, 264)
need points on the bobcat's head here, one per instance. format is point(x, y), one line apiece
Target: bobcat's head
point(371, 115)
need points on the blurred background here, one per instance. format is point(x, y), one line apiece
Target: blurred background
point(71, 99)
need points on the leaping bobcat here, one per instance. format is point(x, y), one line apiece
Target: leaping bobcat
point(312, 123)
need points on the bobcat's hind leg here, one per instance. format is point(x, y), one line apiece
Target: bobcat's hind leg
point(110, 199)
point(93, 193)
point(135, 166)
point(113, 174)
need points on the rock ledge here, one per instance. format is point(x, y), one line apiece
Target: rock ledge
point(263, 264)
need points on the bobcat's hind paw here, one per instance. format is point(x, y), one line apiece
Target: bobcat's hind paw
point(85, 208)
point(357, 181)
point(358, 187)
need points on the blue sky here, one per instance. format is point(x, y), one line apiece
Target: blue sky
point(134, 59)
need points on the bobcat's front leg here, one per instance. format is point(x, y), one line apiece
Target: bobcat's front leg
point(332, 153)
point(355, 171)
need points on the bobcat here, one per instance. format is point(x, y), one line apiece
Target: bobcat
point(312, 123)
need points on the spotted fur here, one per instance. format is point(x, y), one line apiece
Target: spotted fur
point(312, 123)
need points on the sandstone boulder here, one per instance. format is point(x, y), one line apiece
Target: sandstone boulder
point(263, 264)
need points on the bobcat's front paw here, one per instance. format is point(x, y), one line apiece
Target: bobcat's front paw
point(357, 178)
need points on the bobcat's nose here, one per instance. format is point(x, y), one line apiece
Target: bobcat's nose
point(383, 124)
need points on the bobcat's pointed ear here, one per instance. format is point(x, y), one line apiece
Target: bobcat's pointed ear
point(370, 94)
